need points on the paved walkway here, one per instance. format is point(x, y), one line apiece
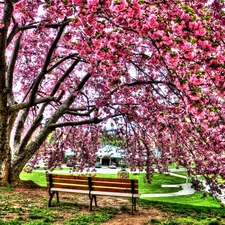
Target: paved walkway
point(186, 189)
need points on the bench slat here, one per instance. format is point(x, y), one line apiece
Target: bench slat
point(67, 177)
point(78, 191)
point(65, 181)
point(112, 189)
point(107, 184)
point(68, 186)
point(115, 194)
point(113, 180)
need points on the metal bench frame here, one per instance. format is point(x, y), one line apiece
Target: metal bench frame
point(92, 186)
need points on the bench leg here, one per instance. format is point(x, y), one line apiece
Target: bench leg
point(51, 196)
point(133, 205)
point(94, 196)
point(132, 212)
point(91, 200)
point(57, 196)
point(50, 199)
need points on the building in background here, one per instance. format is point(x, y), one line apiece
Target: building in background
point(109, 154)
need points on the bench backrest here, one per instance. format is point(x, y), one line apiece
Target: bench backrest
point(92, 183)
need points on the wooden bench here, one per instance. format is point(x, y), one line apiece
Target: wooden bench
point(92, 186)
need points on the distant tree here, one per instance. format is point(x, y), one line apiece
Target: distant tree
point(156, 68)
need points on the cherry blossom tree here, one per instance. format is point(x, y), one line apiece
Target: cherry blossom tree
point(154, 69)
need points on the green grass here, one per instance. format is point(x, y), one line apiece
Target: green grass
point(16, 209)
point(195, 214)
point(12, 222)
point(187, 210)
point(37, 177)
point(195, 199)
point(94, 218)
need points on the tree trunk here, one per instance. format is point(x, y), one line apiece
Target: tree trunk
point(5, 151)
point(11, 168)
point(18, 164)
point(5, 170)
point(5, 166)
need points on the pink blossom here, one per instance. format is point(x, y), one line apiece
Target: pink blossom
point(196, 80)
point(144, 30)
point(189, 55)
point(200, 32)
point(187, 46)
point(177, 28)
point(194, 25)
point(172, 60)
point(195, 96)
point(152, 23)
point(92, 2)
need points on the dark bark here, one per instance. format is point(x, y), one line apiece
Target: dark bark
point(5, 152)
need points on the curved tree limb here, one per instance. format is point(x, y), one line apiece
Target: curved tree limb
point(88, 121)
point(25, 105)
point(10, 71)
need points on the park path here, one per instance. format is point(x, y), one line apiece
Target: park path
point(186, 189)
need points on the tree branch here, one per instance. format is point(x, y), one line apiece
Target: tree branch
point(29, 133)
point(61, 61)
point(24, 105)
point(34, 25)
point(88, 121)
point(54, 44)
point(46, 63)
point(11, 70)
point(12, 34)
point(83, 81)
point(64, 76)
point(75, 112)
